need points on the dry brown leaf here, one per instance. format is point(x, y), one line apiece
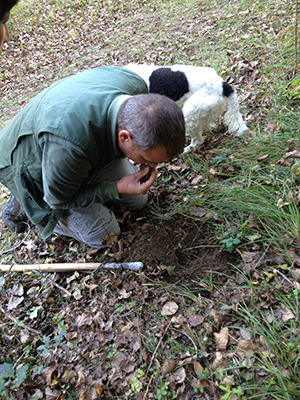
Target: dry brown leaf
point(48, 371)
point(168, 366)
point(286, 313)
point(81, 380)
point(110, 239)
point(195, 320)
point(284, 163)
point(14, 301)
point(292, 154)
point(169, 308)
point(247, 346)
point(229, 379)
point(52, 394)
point(69, 376)
point(77, 294)
point(83, 395)
point(197, 180)
point(179, 375)
point(219, 361)
point(18, 289)
point(198, 368)
point(84, 319)
point(222, 338)
point(100, 390)
point(263, 158)
point(197, 211)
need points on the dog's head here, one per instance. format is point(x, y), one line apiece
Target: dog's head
point(172, 84)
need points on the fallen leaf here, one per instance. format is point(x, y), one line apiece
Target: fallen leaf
point(222, 338)
point(81, 380)
point(198, 368)
point(18, 289)
point(284, 163)
point(263, 158)
point(179, 375)
point(286, 313)
point(48, 371)
point(168, 366)
point(84, 319)
point(195, 320)
point(170, 308)
point(292, 154)
point(110, 239)
point(219, 361)
point(247, 346)
point(77, 294)
point(14, 301)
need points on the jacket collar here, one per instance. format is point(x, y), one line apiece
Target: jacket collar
point(112, 121)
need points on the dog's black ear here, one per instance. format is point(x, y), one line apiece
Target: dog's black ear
point(227, 89)
point(172, 84)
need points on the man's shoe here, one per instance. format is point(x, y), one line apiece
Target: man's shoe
point(13, 215)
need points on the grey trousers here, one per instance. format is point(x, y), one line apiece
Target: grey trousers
point(89, 225)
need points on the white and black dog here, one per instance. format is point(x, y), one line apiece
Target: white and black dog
point(199, 91)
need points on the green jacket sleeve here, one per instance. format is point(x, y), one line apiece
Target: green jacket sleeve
point(66, 173)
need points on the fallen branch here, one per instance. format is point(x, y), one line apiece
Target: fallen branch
point(296, 39)
point(16, 321)
point(56, 284)
point(134, 266)
point(156, 348)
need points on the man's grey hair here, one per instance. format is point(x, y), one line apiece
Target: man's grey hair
point(5, 6)
point(153, 121)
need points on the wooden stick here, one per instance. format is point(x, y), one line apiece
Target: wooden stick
point(296, 38)
point(69, 267)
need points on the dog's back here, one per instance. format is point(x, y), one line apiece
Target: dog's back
point(199, 91)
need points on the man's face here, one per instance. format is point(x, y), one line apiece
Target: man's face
point(150, 157)
point(3, 30)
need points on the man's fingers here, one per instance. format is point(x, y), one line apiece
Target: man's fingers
point(145, 177)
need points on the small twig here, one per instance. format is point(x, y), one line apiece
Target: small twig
point(280, 273)
point(17, 245)
point(140, 338)
point(131, 311)
point(158, 344)
point(148, 387)
point(55, 284)
point(199, 247)
point(296, 38)
point(184, 333)
point(16, 321)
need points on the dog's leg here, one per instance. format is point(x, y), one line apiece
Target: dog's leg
point(196, 139)
point(233, 118)
point(199, 111)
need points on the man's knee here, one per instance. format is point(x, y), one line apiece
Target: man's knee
point(135, 202)
point(89, 225)
point(95, 238)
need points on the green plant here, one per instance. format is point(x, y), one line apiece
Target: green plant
point(12, 379)
point(230, 239)
point(163, 392)
point(135, 383)
point(230, 391)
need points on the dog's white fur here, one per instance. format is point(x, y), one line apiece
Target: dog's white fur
point(203, 103)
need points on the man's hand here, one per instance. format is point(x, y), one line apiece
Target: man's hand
point(131, 184)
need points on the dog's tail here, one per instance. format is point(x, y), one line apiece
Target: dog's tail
point(232, 117)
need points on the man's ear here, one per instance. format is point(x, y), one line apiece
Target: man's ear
point(124, 136)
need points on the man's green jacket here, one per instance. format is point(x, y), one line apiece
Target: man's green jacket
point(52, 149)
